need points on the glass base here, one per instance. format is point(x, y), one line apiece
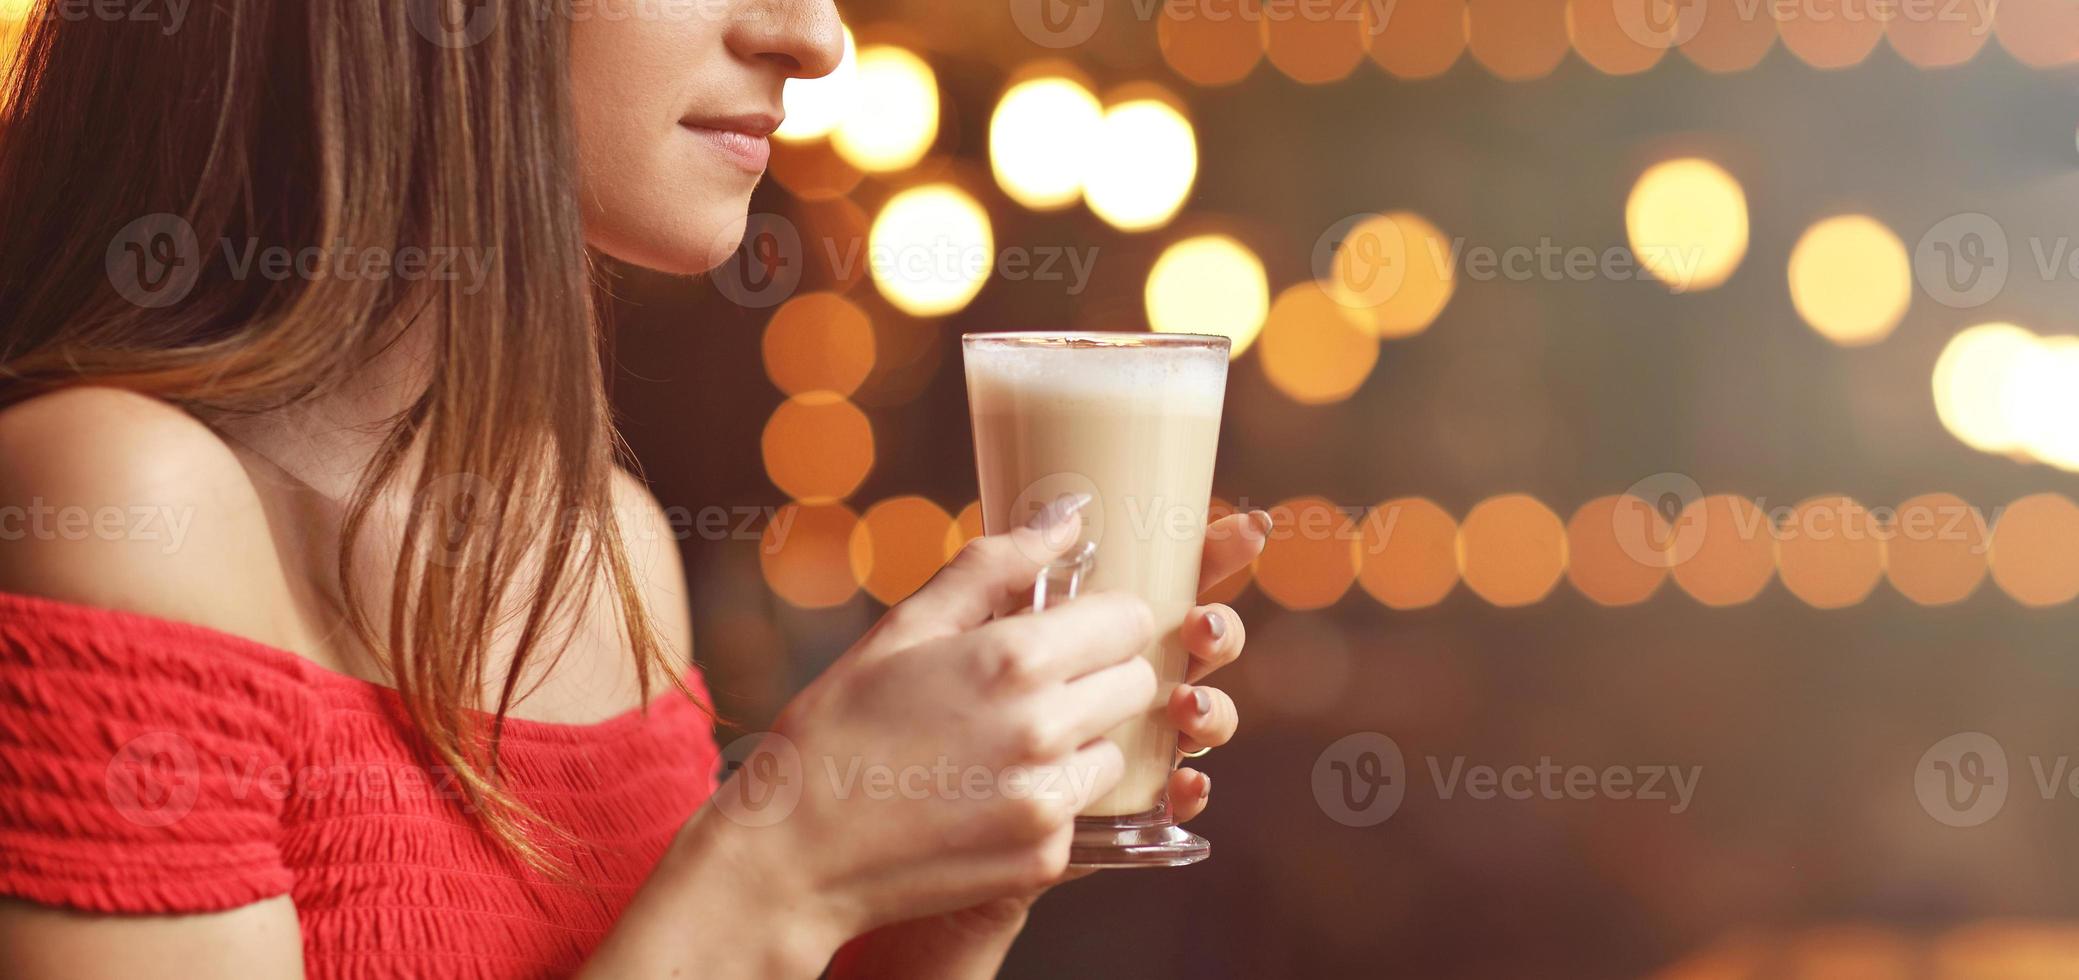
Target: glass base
point(1141, 840)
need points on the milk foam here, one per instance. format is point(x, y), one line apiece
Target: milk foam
point(1177, 380)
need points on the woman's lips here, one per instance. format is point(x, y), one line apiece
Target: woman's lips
point(746, 146)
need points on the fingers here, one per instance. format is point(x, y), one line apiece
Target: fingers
point(1065, 642)
point(1204, 717)
point(1091, 705)
point(1189, 791)
point(1232, 542)
point(1213, 636)
point(990, 575)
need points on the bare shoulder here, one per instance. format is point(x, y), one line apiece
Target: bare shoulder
point(114, 499)
point(653, 552)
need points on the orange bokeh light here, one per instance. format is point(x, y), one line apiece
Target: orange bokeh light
point(967, 526)
point(1314, 349)
point(1607, 33)
point(818, 447)
point(818, 342)
point(1408, 553)
point(812, 171)
point(2035, 550)
point(1211, 42)
point(1830, 552)
point(1517, 39)
point(1831, 33)
point(1600, 560)
point(1938, 37)
point(1315, 44)
point(1422, 38)
point(2038, 33)
point(1311, 557)
point(1727, 35)
point(1734, 552)
point(1936, 554)
point(805, 555)
point(1511, 550)
point(898, 545)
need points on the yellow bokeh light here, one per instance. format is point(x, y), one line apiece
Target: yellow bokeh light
point(1687, 223)
point(1511, 550)
point(2042, 402)
point(1142, 165)
point(1210, 284)
point(1315, 349)
point(805, 555)
point(815, 106)
point(898, 545)
point(1399, 268)
point(1973, 378)
point(893, 118)
point(932, 248)
point(1850, 278)
point(1039, 139)
point(818, 342)
point(818, 447)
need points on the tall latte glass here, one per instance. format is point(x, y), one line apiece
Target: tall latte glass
point(1132, 420)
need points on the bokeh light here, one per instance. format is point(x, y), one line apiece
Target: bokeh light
point(1209, 284)
point(1314, 349)
point(1726, 35)
point(932, 249)
point(1851, 279)
point(1407, 552)
point(1421, 38)
point(1318, 44)
point(815, 106)
point(1039, 140)
point(2038, 33)
point(805, 555)
point(967, 526)
point(1605, 32)
point(1735, 550)
point(2035, 550)
point(1600, 561)
point(893, 119)
point(818, 342)
point(1511, 550)
point(813, 171)
point(1936, 553)
point(1950, 36)
point(898, 545)
point(818, 447)
point(1977, 370)
point(1209, 42)
point(1231, 587)
point(1142, 165)
point(1311, 557)
point(1399, 268)
point(1518, 40)
point(1830, 552)
point(2041, 401)
point(1831, 33)
point(1686, 220)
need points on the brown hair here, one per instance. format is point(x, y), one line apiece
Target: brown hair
point(308, 124)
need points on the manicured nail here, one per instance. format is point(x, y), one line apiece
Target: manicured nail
point(1055, 514)
point(1202, 701)
point(1205, 786)
point(1263, 522)
point(1216, 624)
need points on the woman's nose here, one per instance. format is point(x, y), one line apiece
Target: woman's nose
point(804, 37)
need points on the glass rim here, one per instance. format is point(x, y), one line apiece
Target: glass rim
point(1115, 339)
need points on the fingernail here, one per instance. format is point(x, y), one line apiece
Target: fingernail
point(1205, 788)
point(1263, 522)
point(1216, 624)
point(1203, 701)
point(1058, 512)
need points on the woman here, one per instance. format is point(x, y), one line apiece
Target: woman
point(332, 640)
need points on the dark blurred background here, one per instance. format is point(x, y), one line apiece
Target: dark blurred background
point(1811, 153)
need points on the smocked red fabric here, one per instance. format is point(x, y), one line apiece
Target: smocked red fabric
point(154, 767)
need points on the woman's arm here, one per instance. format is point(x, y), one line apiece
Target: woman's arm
point(259, 940)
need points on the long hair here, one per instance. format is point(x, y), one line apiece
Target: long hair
point(140, 166)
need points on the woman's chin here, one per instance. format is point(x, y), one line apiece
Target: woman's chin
point(688, 252)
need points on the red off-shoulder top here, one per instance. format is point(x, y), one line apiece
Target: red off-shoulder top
point(154, 767)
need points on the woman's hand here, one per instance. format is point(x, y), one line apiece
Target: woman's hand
point(972, 941)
